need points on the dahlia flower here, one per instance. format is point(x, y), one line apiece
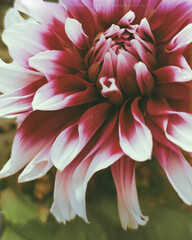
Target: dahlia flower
point(97, 84)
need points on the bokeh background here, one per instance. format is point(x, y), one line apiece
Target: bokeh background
point(24, 208)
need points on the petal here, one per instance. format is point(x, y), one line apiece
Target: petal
point(75, 33)
point(70, 185)
point(125, 73)
point(181, 40)
point(69, 91)
point(61, 207)
point(177, 126)
point(19, 101)
point(73, 139)
point(135, 137)
point(127, 19)
point(12, 16)
point(105, 156)
point(178, 171)
point(144, 78)
point(38, 167)
point(124, 177)
point(53, 63)
point(37, 130)
point(14, 77)
point(83, 13)
point(27, 39)
point(33, 8)
point(171, 74)
point(178, 129)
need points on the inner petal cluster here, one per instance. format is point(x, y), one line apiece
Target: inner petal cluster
point(121, 59)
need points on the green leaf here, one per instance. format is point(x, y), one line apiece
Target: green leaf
point(17, 209)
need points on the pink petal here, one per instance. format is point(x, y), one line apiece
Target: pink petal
point(127, 19)
point(38, 167)
point(72, 140)
point(54, 63)
point(61, 207)
point(178, 171)
point(105, 156)
point(175, 91)
point(37, 130)
point(14, 77)
point(75, 33)
point(177, 126)
point(170, 74)
point(178, 129)
point(147, 57)
point(135, 137)
point(124, 177)
point(19, 101)
point(25, 40)
point(144, 78)
point(33, 8)
point(69, 91)
point(65, 148)
point(125, 73)
point(82, 12)
point(108, 12)
point(181, 40)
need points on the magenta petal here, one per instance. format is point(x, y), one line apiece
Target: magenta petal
point(53, 63)
point(38, 166)
point(178, 129)
point(31, 138)
point(181, 40)
point(170, 74)
point(20, 101)
point(135, 137)
point(144, 78)
point(14, 77)
point(178, 171)
point(25, 40)
point(124, 177)
point(75, 33)
point(105, 156)
point(66, 92)
point(65, 147)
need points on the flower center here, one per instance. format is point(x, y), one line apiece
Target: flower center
point(121, 60)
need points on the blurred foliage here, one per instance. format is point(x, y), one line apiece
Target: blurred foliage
point(25, 207)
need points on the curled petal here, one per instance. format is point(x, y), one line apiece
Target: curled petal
point(181, 40)
point(135, 137)
point(124, 176)
point(75, 33)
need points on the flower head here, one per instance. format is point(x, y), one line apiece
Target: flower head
point(96, 84)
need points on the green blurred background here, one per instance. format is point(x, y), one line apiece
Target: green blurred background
point(24, 207)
